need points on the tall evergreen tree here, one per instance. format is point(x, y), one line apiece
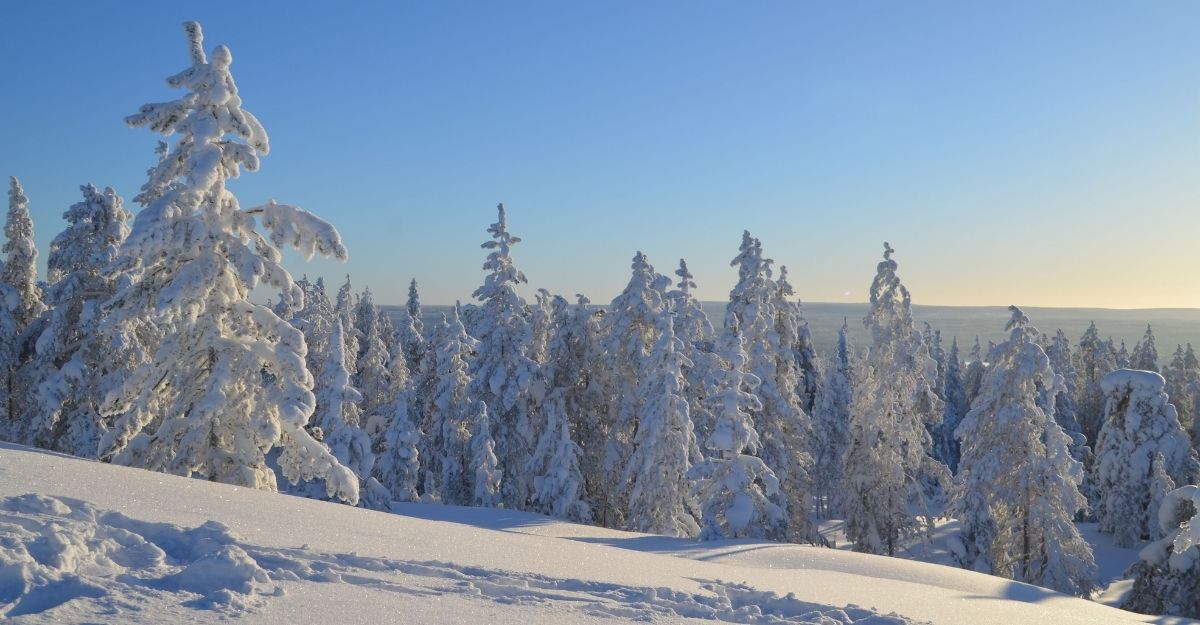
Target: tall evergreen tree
point(955, 396)
point(410, 331)
point(71, 363)
point(1017, 488)
point(1145, 353)
point(195, 254)
point(655, 476)
point(486, 478)
point(558, 486)
point(19, 270)
point(1166, 578)
point(1094, 359)
point(451, 411)
point(889, 462)
point(1138, 423)
point(1183, 387)
point(697, 336)
point(502, 373)
point(831, 425)
point(399, 465)
point(733, 488)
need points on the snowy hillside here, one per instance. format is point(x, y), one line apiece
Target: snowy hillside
point(99, 543)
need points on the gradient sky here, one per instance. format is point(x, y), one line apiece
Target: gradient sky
point(1038, 153)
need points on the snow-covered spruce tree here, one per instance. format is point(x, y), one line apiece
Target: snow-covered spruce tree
point(343, 310)
point(695, 331)
point(1183, 387)
point(541, 329)
point(315, 319)
point(70, 360)
point(1123, 356)
point(486, 479)
point(1166, 577)
point(954, 394)
point(409, 334)
point(373, 374)
point(399, 465)
point(1017, 488)
point(1160, 484)
point(768, 323)
point(451, 411)
point(1138, 423)
point(976, 367)
point(656, 475)
point(796, 338)
point(1094, 359)
point(19, 270)
point(196, 404)
point(558, 487)
point(1058, 349)
point(1145, 353)
point(630, 333)
point(831, 426)
point(502, 373)
point(889, 463)
point(340, 420)
point(733, 488)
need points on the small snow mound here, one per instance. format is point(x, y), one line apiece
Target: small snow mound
point(53, 551)
point(1132, 379)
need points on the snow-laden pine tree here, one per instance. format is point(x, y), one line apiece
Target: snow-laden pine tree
point(399, 465)
point(733, 488)
point(976, 367)
point(197, 403)
point(1138, 423)
point(1094, 359)
point(1145, 354)
point(630, 333)
point(19, 270)
point(695, 331)
point(796, 338)
point(558, 485)
point(344, 310)
point(770, 327)
point(339, 418)
point(1183, 387)
point(889, 462)
point(1166, 577)
point(315, 319)
point(485, 468)
point(373, 373)
point(451, 411)
point(411, 329)
point(1017, 488)
point(70, 361)
point(1058, 349)
point(1124, 358)
point(831, 428)
point(954, 394)
point(1160, 484)
point(656, 474)
point(502, 374)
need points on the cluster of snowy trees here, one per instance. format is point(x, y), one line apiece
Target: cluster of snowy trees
point(142, 347)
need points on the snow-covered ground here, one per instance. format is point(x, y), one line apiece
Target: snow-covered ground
point(83, 542)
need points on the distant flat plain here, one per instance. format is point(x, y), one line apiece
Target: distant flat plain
point(1172, 326)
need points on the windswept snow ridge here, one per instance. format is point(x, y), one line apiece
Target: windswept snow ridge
point(56, 550)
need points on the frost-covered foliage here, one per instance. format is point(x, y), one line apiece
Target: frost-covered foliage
point(410, 331)
point(696, 334)
point(399, 465)
point(1058, 349)
point(1017, 488)
point(733, 488)
point(1183, 386)
point(450, 411)
point(502, 374)
point(1094, 359)
point(630, 333)
point(70, 362)
point(889, 462)
point(344, 311)
point(1138, 423)
point(976, 367)
point(831, 427)
point(19, 270)
point(373, 376)
point(771, 327)
point(954, 394)
point(315, 319)
point(558, 484)
point(487, 474)
point(339, 419)
point(655, 476)
point(1145, 354)
point(197, 402)
point(796, 338)
point(1167, 575)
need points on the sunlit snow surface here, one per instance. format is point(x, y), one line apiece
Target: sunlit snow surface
point(83, 542)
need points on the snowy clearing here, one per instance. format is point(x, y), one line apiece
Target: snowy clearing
point(105, 544)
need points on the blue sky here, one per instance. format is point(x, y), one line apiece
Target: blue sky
point(1013, 152)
